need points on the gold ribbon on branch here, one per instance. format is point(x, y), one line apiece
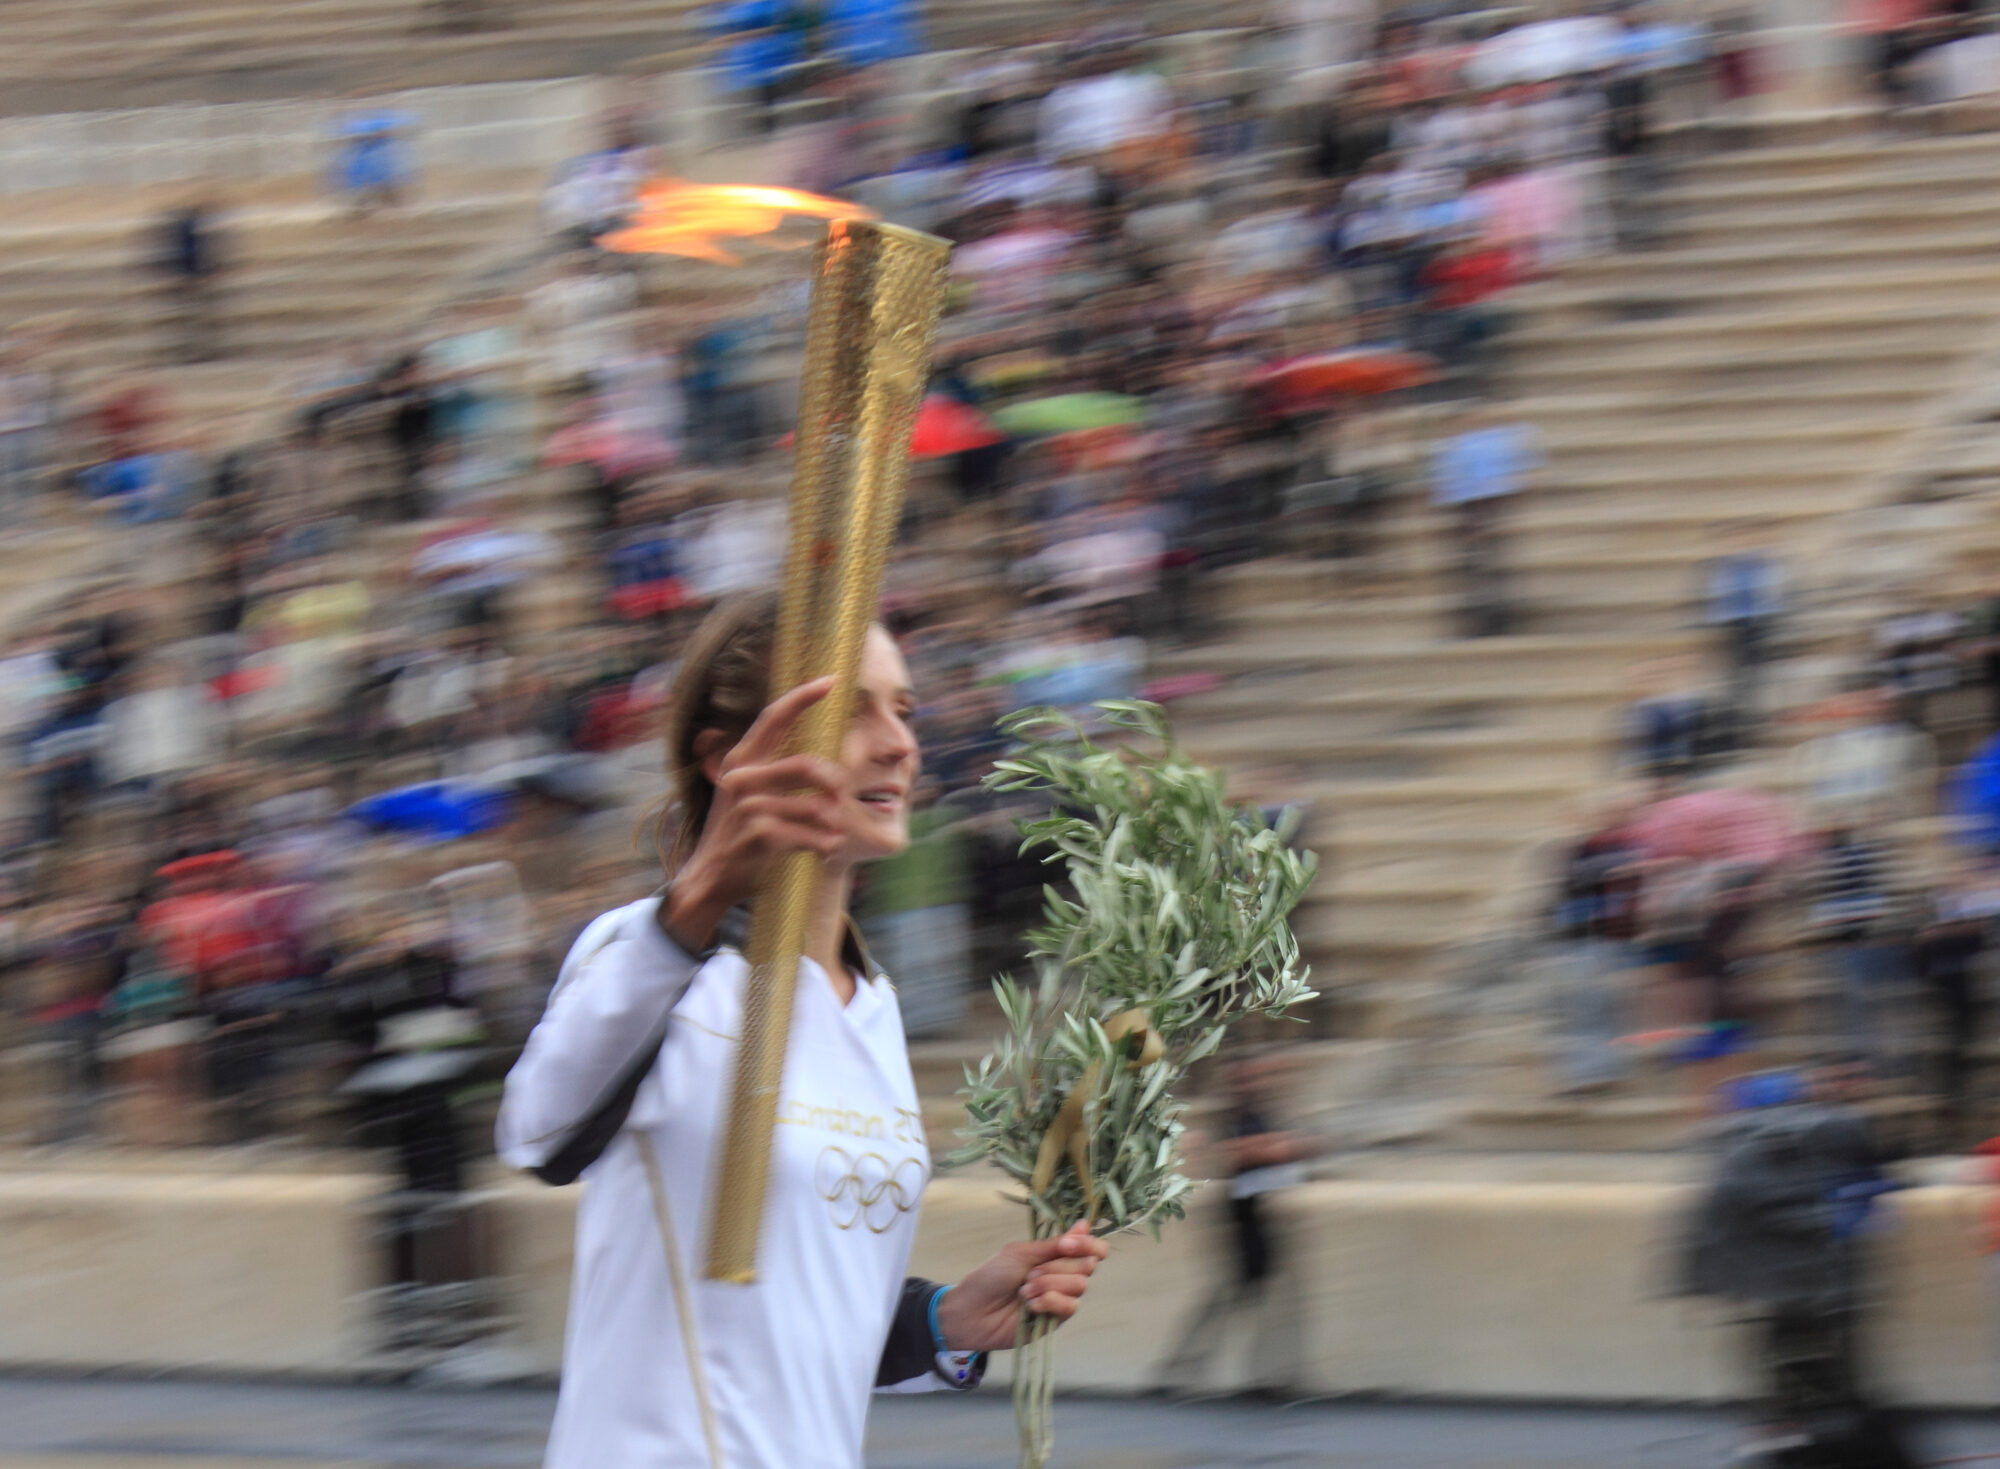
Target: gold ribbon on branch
point(1130, 1031)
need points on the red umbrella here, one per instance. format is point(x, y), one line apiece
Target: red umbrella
point(1359, 372)
point(200, 865)
point(945, 427)
point(240, 681)
point(649, 598)
point(1726, 825)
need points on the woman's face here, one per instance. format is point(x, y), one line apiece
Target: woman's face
point(879, 754)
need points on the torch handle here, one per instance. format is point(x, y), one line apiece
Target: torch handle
point(876, 300)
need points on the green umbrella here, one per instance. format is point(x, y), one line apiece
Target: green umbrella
point(1066, 413)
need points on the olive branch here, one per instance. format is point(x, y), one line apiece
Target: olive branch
point(1179, 924)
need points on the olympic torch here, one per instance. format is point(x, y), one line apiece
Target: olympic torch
point(878, 290)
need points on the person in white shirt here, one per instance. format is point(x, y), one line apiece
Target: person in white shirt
point(642, 394)
point(1013, 265)
point(1111, 103)
point(30, 680)
point(729, 547)
point(1874, 769)
point(582, 318)
point(162, 731)
point(625, 1082)
point(1268, 242)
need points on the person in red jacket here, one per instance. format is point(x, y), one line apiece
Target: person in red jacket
point(190, 925)
point(1461, 287)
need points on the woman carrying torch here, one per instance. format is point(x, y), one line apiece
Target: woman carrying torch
point(626, 1080)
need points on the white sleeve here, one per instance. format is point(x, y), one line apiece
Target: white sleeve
point(622, 977)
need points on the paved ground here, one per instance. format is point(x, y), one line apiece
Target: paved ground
point(176, 1425)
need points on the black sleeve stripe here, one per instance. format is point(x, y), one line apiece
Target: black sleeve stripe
point(909, 1352)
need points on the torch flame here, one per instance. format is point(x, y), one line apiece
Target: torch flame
point(676, 217)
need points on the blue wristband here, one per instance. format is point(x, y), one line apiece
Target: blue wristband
point(937, 1331)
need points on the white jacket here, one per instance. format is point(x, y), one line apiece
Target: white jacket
point(665, 1370)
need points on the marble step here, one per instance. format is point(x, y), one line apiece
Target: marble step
point(1399, 664)
point(1950, 170)
point(302, 228)
point(1681, 294)
point(1543, 609)
point(1752, 261)
point(1465, 702)
point(1849, 145)
point(1821, 323)
point(1838, 210)
point(1739, 407)
point(1921, 370)
point(1303, 739)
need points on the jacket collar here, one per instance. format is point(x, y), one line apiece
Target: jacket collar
point(734, 933)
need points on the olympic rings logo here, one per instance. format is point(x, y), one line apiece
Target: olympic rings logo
point(867, 1188)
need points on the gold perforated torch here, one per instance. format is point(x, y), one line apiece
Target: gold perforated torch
point(877, 293)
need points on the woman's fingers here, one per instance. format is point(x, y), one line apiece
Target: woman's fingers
point(792, 773)
point(767, 802)
point(1082, 1266)
point(813, 811)
point(1076, 1244)
point(789, 823)
point(1066, 1283)
point(1061, 1272)
point(1055, 1295)
point(768, 735)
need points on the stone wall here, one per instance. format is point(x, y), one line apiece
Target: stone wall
point(184, 1271)
point(1448, 1289)
point(1399, 1287)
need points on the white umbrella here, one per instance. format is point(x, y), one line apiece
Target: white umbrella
point(1546, 50)
point(487, 557)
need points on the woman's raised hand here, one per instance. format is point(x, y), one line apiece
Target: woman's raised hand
point(766, 804)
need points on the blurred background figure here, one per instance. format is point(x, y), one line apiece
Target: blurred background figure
point(189, 256)
point(1597, 918)
point(1781, 1230)
point(1954, 933)
point(371, 167)
point(1743, 597)
point(761, 41)
point(1259, 1160)
point(1479, 470)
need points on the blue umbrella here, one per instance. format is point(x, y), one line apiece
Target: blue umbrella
point(1975, 795)
point(442, 810)
point(1762, 1089)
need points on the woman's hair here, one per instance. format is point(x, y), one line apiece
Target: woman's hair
point(723, 684)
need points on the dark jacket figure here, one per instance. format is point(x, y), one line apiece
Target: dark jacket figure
point(188, 258)
point(1779, 1229)
point(1765, 1230)
point(1263, 1160)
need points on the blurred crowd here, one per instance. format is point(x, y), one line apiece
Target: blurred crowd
point(1822, 875)
point(359, 728)
point(306, 788)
